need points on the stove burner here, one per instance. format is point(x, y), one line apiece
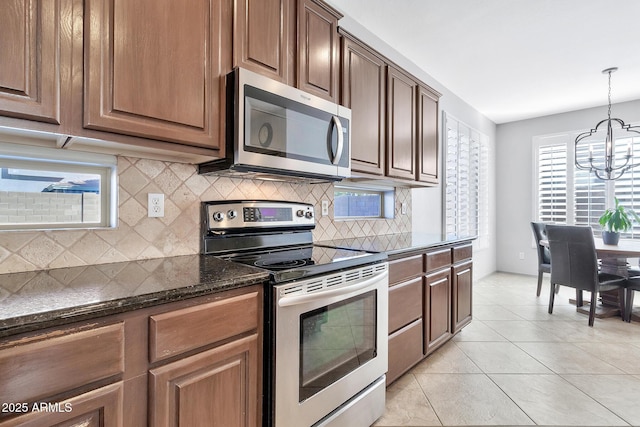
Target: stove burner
point(279, 265)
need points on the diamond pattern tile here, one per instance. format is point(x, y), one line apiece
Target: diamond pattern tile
point(177, 233)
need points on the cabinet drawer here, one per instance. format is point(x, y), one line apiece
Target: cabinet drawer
point(182, 330)
point(460, 253)
point(405, 350)
point(438, 259)
point(33, 371)
point(405, 303)
point(405, 268)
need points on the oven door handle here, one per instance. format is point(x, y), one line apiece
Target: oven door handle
point(314, 296)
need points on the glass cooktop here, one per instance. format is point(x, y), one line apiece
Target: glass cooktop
point(303, 261)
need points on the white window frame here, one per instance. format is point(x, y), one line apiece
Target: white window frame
point(43, 158)
point(478, 147)
point(568, 139)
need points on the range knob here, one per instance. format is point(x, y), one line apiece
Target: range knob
point(299, 213)
point(231, 214)
point(218, 216)
point(308, 214)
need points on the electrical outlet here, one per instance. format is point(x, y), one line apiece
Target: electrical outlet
point(155, 205)
point(325, 207)
point(403, 208)
point(521, 255)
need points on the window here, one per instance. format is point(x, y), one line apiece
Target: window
point(565, 194)
point(43, 188)
point(466, 194)
point(356, 202)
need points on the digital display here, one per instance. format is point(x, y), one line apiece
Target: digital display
point(267, 214)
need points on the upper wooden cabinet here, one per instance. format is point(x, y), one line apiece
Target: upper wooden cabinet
point(261, 36)
point(318, 50)
point(401, 124)
point(31, 40)
point(394, 129)
point(153, 69)
point(364, 91)
point(292, 41)
point(427, 138)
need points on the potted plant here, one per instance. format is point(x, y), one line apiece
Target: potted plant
point(616, 220)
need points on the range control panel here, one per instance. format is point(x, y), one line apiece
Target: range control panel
point(262, 214)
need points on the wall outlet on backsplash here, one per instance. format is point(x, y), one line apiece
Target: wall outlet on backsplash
point(403, 208)
point(325, 207)
point(155, 205)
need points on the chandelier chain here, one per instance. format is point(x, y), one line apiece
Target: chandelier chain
point(609, 112)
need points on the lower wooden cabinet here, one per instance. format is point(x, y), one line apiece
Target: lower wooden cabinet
point(429, 302)
point(217, 387)
point(403, 351)
point(102, 407)
point(196, 362)
point(462, 289)
point(437, 310)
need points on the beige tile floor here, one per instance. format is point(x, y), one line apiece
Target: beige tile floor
point(517, 365)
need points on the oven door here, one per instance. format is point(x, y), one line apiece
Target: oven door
point(331, 342)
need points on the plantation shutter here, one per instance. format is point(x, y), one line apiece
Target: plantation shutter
point(552, 183)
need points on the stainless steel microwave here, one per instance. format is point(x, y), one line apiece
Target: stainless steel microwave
point(275, 129)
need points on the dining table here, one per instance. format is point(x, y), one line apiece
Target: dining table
point(614, 259)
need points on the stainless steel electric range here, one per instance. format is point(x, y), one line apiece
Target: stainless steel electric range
point(326, 313)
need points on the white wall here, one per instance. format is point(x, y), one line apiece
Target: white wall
point(427, 202)
point(514, 171)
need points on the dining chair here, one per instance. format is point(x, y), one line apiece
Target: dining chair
point(574, 263)
point(544, 260)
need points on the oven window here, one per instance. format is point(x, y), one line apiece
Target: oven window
point(334, 340)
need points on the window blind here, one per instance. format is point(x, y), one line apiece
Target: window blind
point(552, 183)
point(464, 190)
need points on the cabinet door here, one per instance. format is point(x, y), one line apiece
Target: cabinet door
point(31, 33)
point(427, 136)
point(401, 119)
point(462, 294)
point(262, 30)
point(364, 91)
point(437, 306)
point(218, 387)
point(405, 350)
point(97, 408)
point(153, 69)
point(318, 61)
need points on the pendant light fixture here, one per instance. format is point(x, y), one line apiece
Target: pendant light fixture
point(607, 168)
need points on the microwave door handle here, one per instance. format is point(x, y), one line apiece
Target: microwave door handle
point(338, 155)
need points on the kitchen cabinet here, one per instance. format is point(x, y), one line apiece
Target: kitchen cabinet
point(36, 370)
point(394, 130)
point(364, 92)
point(401, 124)
point(437, 329)
point(462, 276)
point(35, 44)
point(192, 362)
point(153, 69)
point(262, 37)
point(293, 41)
point(429, 302)
point(215, 387)
point(427, 137)
point(318, 63)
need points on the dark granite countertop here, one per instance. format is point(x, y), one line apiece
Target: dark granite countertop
point(39, 299)
point(394, 244)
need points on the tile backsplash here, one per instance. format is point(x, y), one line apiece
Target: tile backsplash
point(177, 233)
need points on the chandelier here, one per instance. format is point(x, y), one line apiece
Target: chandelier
point(607, 168)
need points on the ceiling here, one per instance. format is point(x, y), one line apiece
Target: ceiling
point(514, 59)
